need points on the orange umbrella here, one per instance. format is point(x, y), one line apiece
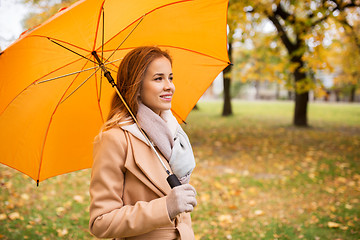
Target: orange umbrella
point(53, 99)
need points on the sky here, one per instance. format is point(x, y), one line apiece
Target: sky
point(11, 14)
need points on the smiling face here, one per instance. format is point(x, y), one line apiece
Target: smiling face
point(158, 88)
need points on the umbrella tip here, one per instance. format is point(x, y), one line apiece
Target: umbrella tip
point(37, 182)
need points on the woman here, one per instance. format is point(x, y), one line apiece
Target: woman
point(130, 197)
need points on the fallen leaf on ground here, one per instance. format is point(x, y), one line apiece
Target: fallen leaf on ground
point(225, 218)
point(79, 199)
point(333, 225)
point(3, 216)
point(259, 212)
point(62, 232)
point(14, 215)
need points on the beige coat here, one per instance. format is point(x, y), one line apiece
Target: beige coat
point(128, 189)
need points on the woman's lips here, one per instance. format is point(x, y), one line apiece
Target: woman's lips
point(166, 97)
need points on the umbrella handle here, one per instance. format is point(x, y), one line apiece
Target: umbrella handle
point(173, 181)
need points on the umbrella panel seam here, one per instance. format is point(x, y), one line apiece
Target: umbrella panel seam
point(49, 124)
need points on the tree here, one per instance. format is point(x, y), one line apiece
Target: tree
point(347, 57)
point(261, 59)
point(296, 22)
point(349, 77)
point(232, 21)
point(227, 109)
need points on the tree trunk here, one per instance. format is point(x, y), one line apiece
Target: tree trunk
point(301, 99)
point(257, 90)
point(337, 94)
point(300, 114)
point(227, 108)
point(290, 95)
point(277, 91)
point(352, 93)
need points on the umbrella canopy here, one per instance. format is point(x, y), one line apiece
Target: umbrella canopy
point(53, 99)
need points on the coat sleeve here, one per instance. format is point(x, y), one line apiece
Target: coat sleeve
point(109, 217)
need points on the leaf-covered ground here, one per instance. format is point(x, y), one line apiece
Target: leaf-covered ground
point(257, 177)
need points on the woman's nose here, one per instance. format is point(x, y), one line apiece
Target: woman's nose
point(168, 84)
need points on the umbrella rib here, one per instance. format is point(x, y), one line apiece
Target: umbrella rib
point(80, 85)
point(58, 40)
point(71, 50)
point(98, 96)
point(34, 82)
point(69, 74)
point(48, 127)
point(98, 23)
point(182, 48)
point(102, 49)
point(142, 18)
point(193, 51)
point(169, 4)
point(103, 32)
point(66, 75)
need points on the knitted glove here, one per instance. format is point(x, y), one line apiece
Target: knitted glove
point(185, 179)
point(181, 199)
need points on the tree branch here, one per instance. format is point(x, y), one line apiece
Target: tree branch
point(349, 5)
point(352, 33)
point(284, 38)
point(337, 7)
point(313, 24)
point(280, 11)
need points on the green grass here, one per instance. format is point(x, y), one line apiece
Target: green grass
point(257, 177)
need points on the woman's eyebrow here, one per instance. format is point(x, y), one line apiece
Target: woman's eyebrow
point(161, 74)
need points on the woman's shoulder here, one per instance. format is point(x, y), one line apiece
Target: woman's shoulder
point(113, 131)
point(115, 134)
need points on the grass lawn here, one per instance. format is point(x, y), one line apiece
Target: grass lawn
point(257, 177)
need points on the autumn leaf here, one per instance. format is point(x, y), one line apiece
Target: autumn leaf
point(62, 232)
point(333, 225)
point(79, 199)
point(25, 196)
point(225, 219)
point(60, 211)
point(259, 212)
point(14, 216)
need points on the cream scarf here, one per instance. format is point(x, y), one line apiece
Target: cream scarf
point(168, 136)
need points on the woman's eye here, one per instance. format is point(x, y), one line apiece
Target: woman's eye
point(158, 79)
point(171, 78)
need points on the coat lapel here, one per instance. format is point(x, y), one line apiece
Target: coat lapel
point(146, 167)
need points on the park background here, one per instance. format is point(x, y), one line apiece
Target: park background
point(276, 137)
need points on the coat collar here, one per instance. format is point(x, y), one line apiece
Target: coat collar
point(146, 167)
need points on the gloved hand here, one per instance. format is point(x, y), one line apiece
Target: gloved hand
point(185, 179)
point(181, 199)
